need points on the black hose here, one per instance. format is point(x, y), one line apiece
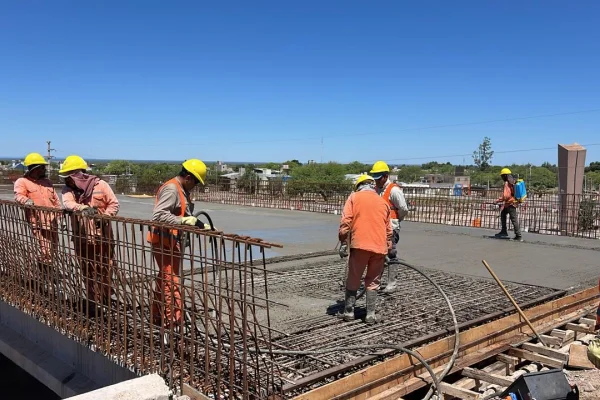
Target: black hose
point(210, 222)
point(435, 379)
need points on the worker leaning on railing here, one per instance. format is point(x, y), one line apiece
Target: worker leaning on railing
point(92, 238)
point(172, 206)
point(35, 189)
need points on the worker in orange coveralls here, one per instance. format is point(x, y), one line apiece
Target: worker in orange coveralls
point(35, 189)
point(366, 217)
point(172, 206)
point(92, 238)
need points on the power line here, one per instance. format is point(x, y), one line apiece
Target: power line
point(470, 154)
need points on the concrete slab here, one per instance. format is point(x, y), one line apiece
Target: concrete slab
point(555, 261)
point(149, 387)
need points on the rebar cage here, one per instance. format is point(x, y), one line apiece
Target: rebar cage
point(96, 280)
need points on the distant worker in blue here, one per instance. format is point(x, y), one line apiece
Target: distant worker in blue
point(508, 204)
point(394, 197)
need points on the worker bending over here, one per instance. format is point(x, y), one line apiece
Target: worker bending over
point(35, 189)
point(393, 196)
point(172, 206)
point(366, 217)
point(508, 206)
point(92, 238)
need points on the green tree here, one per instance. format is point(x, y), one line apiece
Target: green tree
point(542, 178)
point(120, 167)
point(409, 173)
point(482, 157)
point(551, 167)
point(356, 167)
point(594, 166)
point(248, 182)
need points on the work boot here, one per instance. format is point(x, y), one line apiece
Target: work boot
point(348, 314)
point(371, 318)
point(392, 282)
point(501, 234)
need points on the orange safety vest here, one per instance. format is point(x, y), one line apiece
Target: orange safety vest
point(386, 197)
point(169, 236)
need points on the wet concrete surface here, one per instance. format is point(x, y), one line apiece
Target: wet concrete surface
point(554, 261)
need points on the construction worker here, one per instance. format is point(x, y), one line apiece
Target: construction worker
point(366, 217)
point(89, 195)
point(394, 197)
point(172, 206)
point(35, 189)
point(508, 204)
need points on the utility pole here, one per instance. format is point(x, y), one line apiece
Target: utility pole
point(50, 156)
point(321, 149)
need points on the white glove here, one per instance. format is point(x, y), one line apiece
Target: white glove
point(29, 202)
point(189, 220)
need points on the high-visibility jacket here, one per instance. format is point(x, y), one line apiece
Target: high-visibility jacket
point(168, 237)
point(386, 196)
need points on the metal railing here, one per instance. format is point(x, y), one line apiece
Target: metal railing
point(97, 280)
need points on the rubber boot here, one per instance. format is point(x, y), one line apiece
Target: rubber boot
point(392, 279)
point(371, 318)
point(348, 314)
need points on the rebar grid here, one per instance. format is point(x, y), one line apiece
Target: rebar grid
point(94, 280)
point(414, 310)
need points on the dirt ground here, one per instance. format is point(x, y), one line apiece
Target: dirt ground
point(588, 383)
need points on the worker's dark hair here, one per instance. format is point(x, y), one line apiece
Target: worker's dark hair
point(184, 172)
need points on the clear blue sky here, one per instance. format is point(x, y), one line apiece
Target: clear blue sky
point(264, 81)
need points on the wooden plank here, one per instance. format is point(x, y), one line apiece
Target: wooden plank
point(397, 370)
point(487, 377)
point(456, 391)
point(578, 357)
point(410, 383)
point(530, 356)
point(545, 351)
point(468, 383)
point(579, 328)
point(552, 340)
point(511, 362)
point(588, 321)
point(187, 390)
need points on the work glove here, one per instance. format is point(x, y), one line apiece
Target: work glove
point(189, 220)
point(343, 251)
point(29, 202)
point(392, 253)
point(89, 211)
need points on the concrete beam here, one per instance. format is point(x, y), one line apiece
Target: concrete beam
point(66, 367)
point(149, 387)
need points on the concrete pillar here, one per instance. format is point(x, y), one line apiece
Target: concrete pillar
point(571, 167)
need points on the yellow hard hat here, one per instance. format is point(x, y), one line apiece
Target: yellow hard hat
point(362, 178)
point(196, 168)
point(34, 159)
point(379, 167)
point(505, 171)
point(73, 163)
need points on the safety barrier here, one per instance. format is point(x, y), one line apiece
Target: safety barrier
point(97, 280)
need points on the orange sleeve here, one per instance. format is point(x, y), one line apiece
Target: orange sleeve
point(55, 200)
point(20, 190)
point(68, 198)
point(347, 218)
point(112, 203)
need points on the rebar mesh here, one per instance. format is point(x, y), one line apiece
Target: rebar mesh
point(94, 280)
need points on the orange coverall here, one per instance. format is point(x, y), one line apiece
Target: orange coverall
point(92, 239)
point(366, 216)
point(43, 223)
point(171, 204)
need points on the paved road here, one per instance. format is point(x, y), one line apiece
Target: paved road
point(554, 261)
